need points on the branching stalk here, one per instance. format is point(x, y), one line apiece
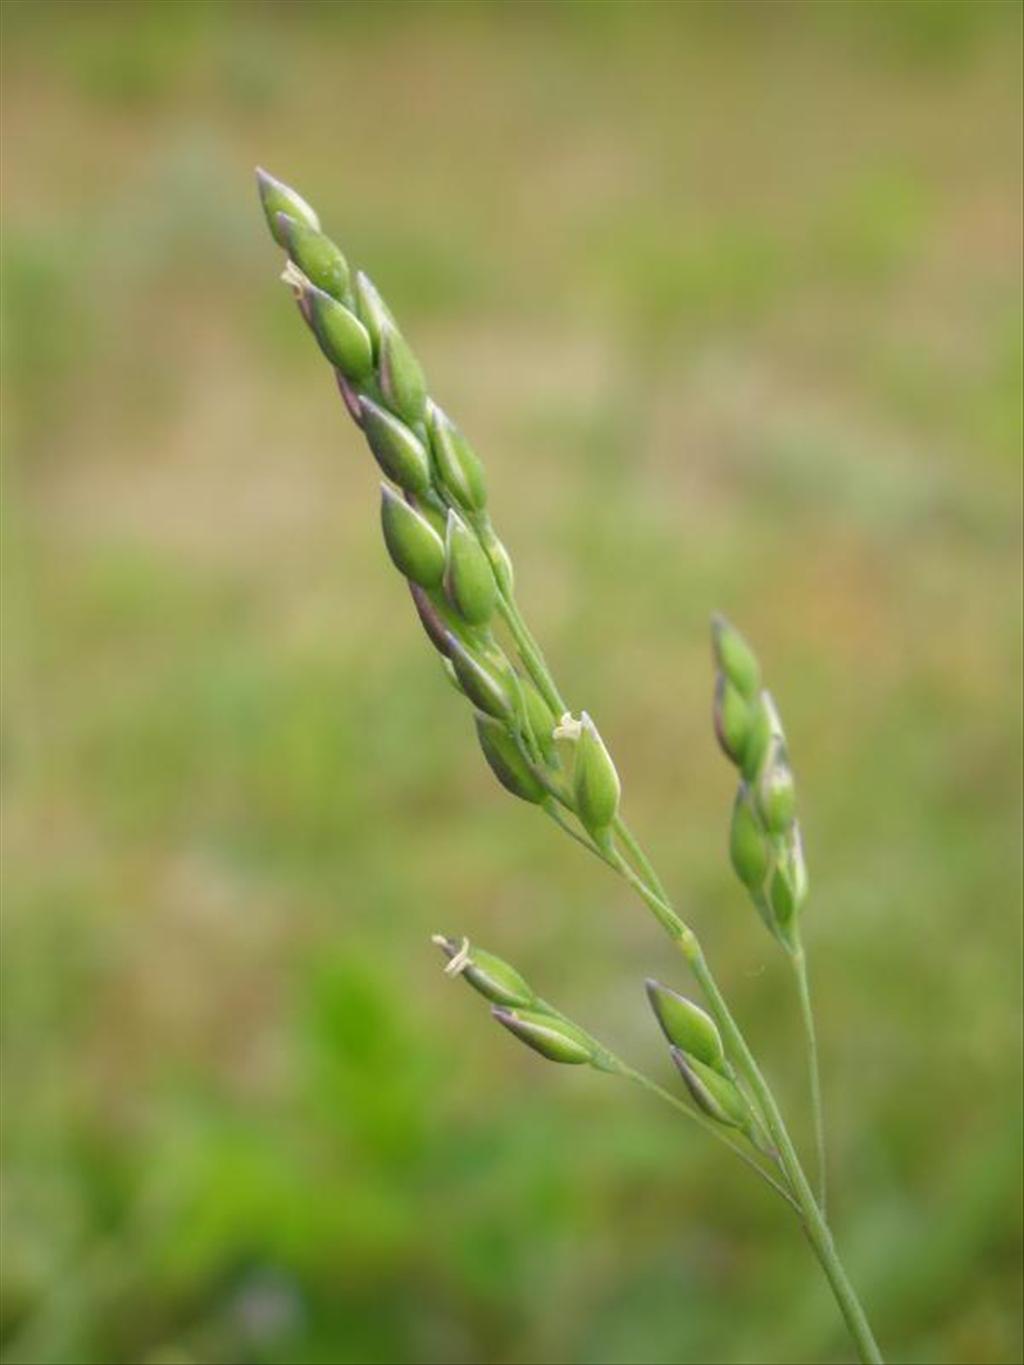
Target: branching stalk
point(799, 960)
point(439, 535)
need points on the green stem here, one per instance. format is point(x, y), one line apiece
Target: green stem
point(815, 1226)
point(529, 652)
point(639, 857)
point(645, 1082)
point(607, 1061)
point(552, 810)
point(813, 1071)
point(652, 893)
point(814, 1223)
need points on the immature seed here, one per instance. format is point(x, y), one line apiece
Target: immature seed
point(479, 683)
point(748, 848)
point(506, 760)
point(401, 378)
point(720, 1098)
point(595, 782)
point(732, 719)
point(342, 337)
point(554, 1039)
point(315, 254)
point(490, 975)
point(457, 465)
point(373, 311)
point(468, 578)
point(775, 791)
point(734, 657)
point(276, 197)
point(686, 1025)
point(399, 452)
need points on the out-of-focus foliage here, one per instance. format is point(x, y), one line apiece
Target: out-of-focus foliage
point(729, 298)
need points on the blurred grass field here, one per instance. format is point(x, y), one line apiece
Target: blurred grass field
point(729, 297)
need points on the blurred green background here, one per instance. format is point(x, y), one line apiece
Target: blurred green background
point(729, 297)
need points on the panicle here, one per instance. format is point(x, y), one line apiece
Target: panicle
point(765, 847)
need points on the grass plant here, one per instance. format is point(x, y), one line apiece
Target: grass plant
point(438, 531)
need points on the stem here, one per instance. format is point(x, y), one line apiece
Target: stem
point(645, 1082)
point(813, 1070)
point(652, 893)
point(662, 911)
point(552, 810)
point(814, 1223)
point(815, 1226)
point(639, 857)
point(531, 655)
point(607, 1061)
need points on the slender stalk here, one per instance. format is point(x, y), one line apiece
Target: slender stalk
point(609, 1062)
point(552, 810)
point(645, 1082)
point(815, 1226)
point(799, 960)
point(419, 450)
point(640, 860)
point(531, 655)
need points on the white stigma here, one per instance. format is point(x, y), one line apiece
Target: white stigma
point(568, 727)
point(294, 279)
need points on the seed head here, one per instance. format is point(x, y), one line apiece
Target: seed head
point(686, 1025)
point(554, 1039)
